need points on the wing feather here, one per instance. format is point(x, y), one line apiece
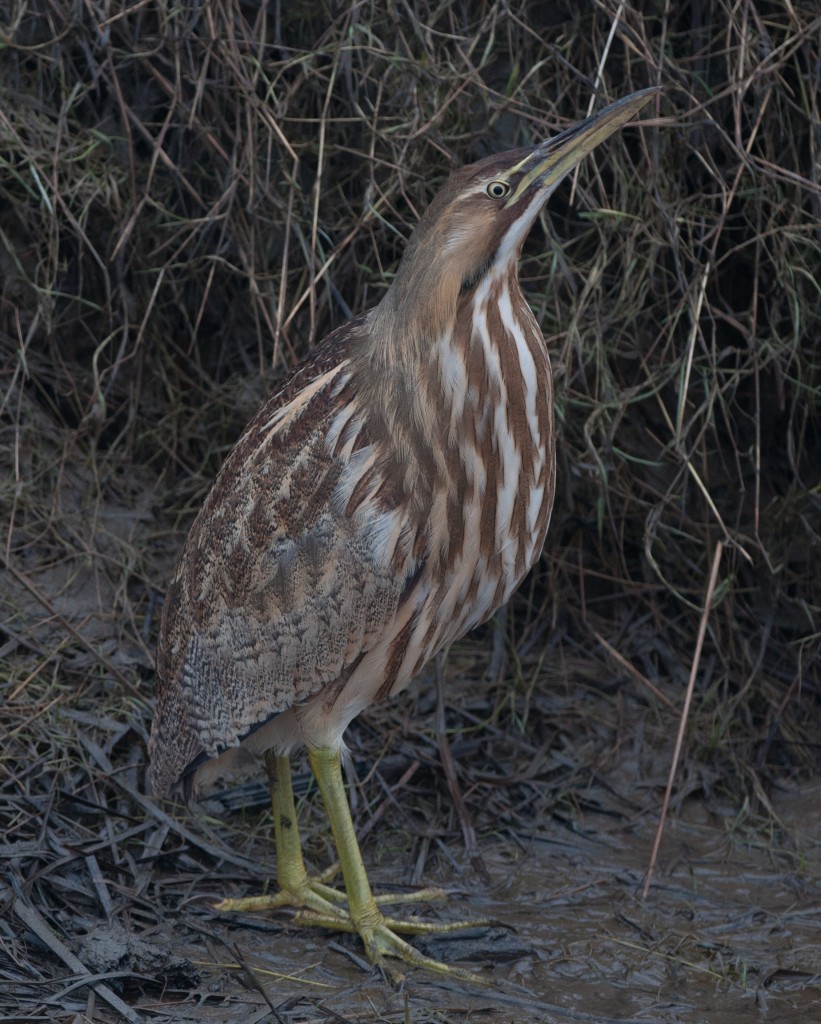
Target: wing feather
point(280, 588)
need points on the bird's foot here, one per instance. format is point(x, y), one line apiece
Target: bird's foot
point(315, 902)
point(319, 905)
point(381, 941)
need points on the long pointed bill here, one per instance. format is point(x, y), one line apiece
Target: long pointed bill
point(545, 167)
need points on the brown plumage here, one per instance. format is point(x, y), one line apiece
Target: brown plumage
point(388, 498)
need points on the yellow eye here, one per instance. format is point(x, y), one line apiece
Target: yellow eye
point(498, 189)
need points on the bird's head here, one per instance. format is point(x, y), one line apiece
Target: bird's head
point(476, 224)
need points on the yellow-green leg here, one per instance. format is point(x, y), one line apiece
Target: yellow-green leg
point(317, 902)
point(377, 932)
point(321, 905)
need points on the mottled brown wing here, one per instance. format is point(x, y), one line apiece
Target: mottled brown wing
point(278, 591)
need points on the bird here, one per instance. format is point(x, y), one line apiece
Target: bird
point(387, 498)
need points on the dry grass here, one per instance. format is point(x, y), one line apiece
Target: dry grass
point(192, 194)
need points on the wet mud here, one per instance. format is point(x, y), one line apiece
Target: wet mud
point(730, 931)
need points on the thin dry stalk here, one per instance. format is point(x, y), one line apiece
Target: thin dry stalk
point(685, 714)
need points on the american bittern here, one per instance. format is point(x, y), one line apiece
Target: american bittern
point(388, 498)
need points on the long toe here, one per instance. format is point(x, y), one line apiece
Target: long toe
point(381, 942)
point(316, 904)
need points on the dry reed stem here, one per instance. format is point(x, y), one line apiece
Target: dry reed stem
point(685, 714)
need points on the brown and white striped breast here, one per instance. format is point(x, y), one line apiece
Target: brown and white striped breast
point(493, 473)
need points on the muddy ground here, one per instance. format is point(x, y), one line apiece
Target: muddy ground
point(729, 933)
point(730, 930)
